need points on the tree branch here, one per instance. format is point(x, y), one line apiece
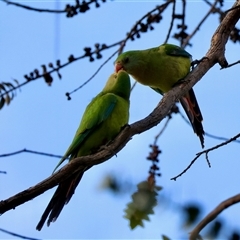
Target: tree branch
point(172, 21)
point(154, 16)
point(206, 133)
point(70, 10)
point(30, 151)
point(93, 75)
point(59, 66)
point(141, 27)
point(215, 54)
point(17, 235)
point(212, 215)
point(187, 39)
point(32, 8)
point(80, 163)
point(233, 64)
point(206, 154)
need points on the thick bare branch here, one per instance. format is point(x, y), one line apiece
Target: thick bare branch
point(222, 34)
point(212, 215)
point(215, 54)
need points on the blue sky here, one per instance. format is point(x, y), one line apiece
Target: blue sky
point(40, 118)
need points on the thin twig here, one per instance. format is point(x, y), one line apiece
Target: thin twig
point(218, 10)
point(30, 151)
point(66, 10)
point(220, 138)
point(232, 64)
point(187, 39)
point(161, 8)
point(134, 85)
point(206, 133)
point(206, 153)
point(32, 8)
point(17, 235)
point(121, 43)
point(60, 67)
point(172, 21)
point(213, 214)
point(82, 85)
point(183, 18)
point(161, 131)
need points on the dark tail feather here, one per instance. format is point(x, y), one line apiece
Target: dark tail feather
point(61, 197)
point(190, 105)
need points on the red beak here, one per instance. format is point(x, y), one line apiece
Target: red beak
point(118, 67)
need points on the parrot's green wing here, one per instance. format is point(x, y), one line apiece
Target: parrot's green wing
point(173, 50)
point(102, 120)
point(96, 112)
point(162, 68)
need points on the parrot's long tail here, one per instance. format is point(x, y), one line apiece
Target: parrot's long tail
point(61, 197)
point(190, 105)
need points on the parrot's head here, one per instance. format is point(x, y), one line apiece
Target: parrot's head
point(128, 62)
point(119, 84)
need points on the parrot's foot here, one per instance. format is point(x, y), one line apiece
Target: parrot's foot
point(196, 62)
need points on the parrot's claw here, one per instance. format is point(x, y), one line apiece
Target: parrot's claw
point(193, 65)
point(196, 62)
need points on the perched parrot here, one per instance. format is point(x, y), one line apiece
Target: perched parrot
point(161, 68)
point(102, 120)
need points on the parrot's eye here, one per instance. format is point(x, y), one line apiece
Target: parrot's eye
point(126, 60)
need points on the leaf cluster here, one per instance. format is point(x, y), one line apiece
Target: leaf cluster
point(7, 97)
point(142, 204)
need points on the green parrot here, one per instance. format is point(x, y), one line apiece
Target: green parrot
point(162, 68)
point(102, 120)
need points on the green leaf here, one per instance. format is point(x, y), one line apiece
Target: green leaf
point(164, 237)
point(191, 212)
point(143, 202)
point(158, 188)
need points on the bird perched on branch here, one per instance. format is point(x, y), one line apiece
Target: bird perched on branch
point(102, 120)
point(161, 68)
